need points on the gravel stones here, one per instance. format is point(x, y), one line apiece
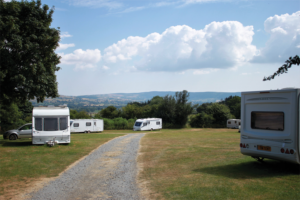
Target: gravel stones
point(107, 173)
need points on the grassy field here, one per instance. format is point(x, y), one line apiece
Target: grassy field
point(22, 163)
point(207, 164)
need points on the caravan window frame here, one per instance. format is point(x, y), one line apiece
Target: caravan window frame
point(41, 120)
point(273, 122)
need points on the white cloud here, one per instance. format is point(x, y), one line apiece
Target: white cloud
point(81, 59)
point(96, 3)
point(64, 46)
point(65, 34)
point(132, 9)
point(165, 3)
point(284, 39)
point(219, 45)
point(105, 67)
point(197, 1)
point(201, 72)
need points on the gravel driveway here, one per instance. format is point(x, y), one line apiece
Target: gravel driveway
point(108, 173)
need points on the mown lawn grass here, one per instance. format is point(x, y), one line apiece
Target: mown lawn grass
point(22, 163)
point(207, 164)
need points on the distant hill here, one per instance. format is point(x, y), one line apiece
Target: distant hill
point(99, 101)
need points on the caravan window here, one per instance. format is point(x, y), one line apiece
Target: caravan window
point(76, 124)
point(138, 124)
point(63, 123)
point(229, 122)
point(94, 123)
point(38, 124)
point(50, 124)
point(88, 124)
point(157, 123)
point(267, 120)
point(145, 124)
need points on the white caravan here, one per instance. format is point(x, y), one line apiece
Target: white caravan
point(50, 124)
point(86, 125)
point(147, 124)
point(233, 123)
point(270, 124)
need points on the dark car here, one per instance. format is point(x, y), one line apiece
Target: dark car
point(23, 131)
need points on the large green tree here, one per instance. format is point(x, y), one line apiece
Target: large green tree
point(28, 62)
point(284, 68)
point(212, 115)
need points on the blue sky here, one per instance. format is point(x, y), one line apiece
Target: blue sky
point(115, 46)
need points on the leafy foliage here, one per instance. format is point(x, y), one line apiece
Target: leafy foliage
point(284, 68)
point(110, 112)
point(234, 104)
point(79, 115)
point(212, 115)
point(27, 43)
point(14, 115)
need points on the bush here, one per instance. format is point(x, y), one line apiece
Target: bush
point(213, 115)
point(131, 123)
point(120, 123)
point(108, 124)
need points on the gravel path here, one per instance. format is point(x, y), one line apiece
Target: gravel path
point(108, 173)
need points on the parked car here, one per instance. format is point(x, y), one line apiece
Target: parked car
point(23, 131)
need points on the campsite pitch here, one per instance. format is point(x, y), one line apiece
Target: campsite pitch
point(28, 166)
point(207, 164)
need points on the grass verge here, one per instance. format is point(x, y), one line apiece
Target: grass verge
point(22, 163)
point(207, 164)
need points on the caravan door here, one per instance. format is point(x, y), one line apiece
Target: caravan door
point(64, 127)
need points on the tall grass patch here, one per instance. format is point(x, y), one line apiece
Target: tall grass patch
point(22, 163)
point(207, 164)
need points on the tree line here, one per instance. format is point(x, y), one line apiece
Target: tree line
point(175, 111)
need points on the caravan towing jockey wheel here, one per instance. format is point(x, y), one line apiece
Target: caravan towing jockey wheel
point(151, 129)
point(259, 159)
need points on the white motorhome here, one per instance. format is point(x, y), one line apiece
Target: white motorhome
point(86, 125)
point(233, 123)
point(50, 124)
point(147, 124)
point(270, 124)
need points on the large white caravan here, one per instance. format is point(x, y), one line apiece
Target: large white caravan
point(50, 124)
point(270, 124)
point(233, 123)
point(86, 125)
point(147, 124)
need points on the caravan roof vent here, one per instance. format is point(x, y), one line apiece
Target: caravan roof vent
point(288, 88)
point(50, 105)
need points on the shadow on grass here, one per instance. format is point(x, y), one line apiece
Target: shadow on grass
point(15, 144)
point(269, 168)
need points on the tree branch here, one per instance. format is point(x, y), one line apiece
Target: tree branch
point(284, 68)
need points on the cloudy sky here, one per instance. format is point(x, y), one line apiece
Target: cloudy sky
point(124, 46)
